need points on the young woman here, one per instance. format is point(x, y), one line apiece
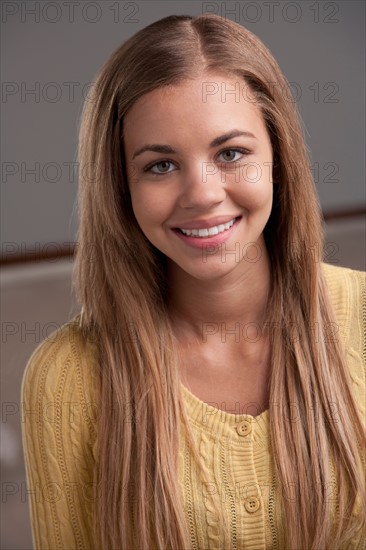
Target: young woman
point(211, 392)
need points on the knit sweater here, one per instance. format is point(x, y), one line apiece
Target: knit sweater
point(59, 403)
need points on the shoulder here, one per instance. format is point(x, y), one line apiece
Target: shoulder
point(347, 293)
point(60, 378)
point(59, 404)
point(344, 284)
point(67, 353)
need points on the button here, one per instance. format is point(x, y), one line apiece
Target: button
point(252, 504)
point(244, 428)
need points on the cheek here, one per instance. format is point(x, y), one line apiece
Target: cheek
point(150, 206)
point(255, 188)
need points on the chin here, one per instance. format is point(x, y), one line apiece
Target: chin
point(210, 271)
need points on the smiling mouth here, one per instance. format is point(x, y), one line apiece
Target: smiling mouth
point(209, 231)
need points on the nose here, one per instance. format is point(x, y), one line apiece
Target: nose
point(202, 186)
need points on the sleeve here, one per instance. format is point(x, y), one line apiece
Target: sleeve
point(58, 405)
point(357, 338)
point(347, 293)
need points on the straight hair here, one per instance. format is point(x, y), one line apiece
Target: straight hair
point(123, 293)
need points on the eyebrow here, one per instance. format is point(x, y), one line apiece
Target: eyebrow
point(159, 148)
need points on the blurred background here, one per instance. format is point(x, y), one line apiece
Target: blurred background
point(50, 53)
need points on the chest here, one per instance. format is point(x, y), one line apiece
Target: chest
point(230, 383)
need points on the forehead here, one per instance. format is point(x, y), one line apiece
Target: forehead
point(210, 103)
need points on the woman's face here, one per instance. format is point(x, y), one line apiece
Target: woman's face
point(198, 158)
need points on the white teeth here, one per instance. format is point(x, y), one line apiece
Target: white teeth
point(210, 231)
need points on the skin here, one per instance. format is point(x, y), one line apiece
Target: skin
point(208, 292)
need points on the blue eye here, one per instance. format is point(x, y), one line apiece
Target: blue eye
point(163, 163)
point(231, 152)
point(162, 167)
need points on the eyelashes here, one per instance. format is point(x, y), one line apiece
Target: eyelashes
point(238, 150)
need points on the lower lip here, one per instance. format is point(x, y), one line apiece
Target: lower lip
point(202, 242)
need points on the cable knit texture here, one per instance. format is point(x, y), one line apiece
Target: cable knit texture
point(59, 396)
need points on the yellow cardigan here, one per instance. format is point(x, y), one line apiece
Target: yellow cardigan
point(60, 405)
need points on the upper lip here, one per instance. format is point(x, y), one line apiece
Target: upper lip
point(203, 224)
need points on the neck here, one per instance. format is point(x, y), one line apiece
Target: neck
point(200, 308)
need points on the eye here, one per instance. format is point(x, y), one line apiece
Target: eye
point(163, 164)
point(229, 154)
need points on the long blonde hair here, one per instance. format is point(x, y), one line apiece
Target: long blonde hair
point(122, 287)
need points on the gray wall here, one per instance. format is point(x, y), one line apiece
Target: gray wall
point(56, 48)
